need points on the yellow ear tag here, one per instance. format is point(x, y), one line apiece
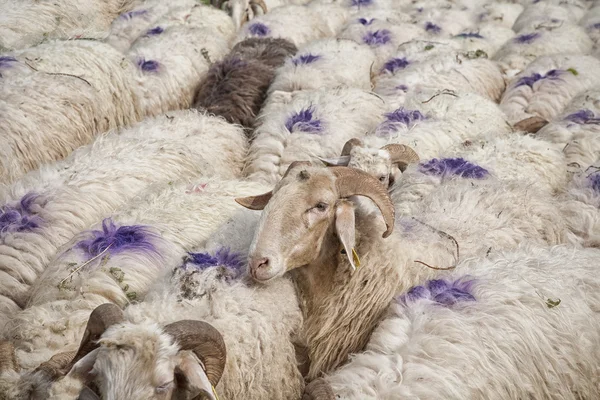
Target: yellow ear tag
point(214, 392)
point(355, 258)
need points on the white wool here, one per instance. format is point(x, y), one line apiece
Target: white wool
point(502, 14)
point(591, 23)
point(553, 38)
point(184, 55)
point(59, 96)
point(543, 13)
point(494, 37)
point(425, 350)
point(341, 62)
point(579, 137)
point(182, 216)
point(25, 23)
point(99, 178)
point(450, 19)
point(344, 113)
point(547, 97)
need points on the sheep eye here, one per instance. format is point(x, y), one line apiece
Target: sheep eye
point(321, 207)
point(382, 178)
point(163, 388)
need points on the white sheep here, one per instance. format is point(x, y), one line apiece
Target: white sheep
point(591, 23)
point(49, 206)
point(499, 13)
point(547, 85)
point(524, 310)
point(57, 97)
point(544, 12)
point(308, 124)
point(326, 63)
point(486, 37)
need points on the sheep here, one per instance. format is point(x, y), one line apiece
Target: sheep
point(60, 95)
point(591, 23)
point(326, 63)
point(45, 210)
point(487, 38)
point(26, 23)
point(342, 307)
point(547, 85)
point(307, 124)
point(236, 87)
point(442, 21)
point(429, 345)
point(542, 13)
point(298, 24)
point(501, 14)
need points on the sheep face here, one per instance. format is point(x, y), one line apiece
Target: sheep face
point(305, 218)
point(375, 162)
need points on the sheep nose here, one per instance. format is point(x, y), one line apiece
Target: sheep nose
point(259, 267)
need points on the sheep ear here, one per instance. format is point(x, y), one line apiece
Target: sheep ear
point(194, 379)
point(255, 202)
point(336, 162)
point(81, 369)
point(344, 227)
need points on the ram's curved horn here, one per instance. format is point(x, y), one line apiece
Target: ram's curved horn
point(354, 142)
point(259, 3)
point(401, 155)
point(56, 366)
point(341, 161)
point(530, 125)
point(8, 360)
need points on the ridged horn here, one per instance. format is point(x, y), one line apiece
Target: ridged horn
point(354, 182)
point(8, 359)
point(57, 365)
point(261, 4)
point(350, 144)
point(205, 341)
point(530, 125)
point(401, 155)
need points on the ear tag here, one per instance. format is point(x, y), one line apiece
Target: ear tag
point(214, 392)
point(355, 258)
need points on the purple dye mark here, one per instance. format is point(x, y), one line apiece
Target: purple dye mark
point(124, 238)
point(395, 64)
point(398, 118)
point(134, 13)
point(365, 21)
point(148, 65)
point(441, 291)
point(431, 27)
point(259, 29)
point(453, 166)
point(420, 9)
point(404, 88)
point(378, 37)
point(305, 59)
point(594, 180)
point(303, 121)
point(155, 31)
point(594, 26)
point(469, 35)
point(527, 38)
point(20, 217)
point(5, 61)
point(530, 80)
point(583, 117)
point(361, 3)
point(223, 257)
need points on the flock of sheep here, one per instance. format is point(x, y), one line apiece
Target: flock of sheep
point(294, 199)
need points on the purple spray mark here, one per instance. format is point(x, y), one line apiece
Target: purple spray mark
point(21, 216)
point(531, 79)
point(136, 238)
point(431, 27)
point(132, 14)
point(259, 29)
point(223, 257)
point(155, 31)
point(377, 38)
point(403, 88)
point(395, 64)
point(304, 121)
point(397, 119)
point(365, 21)
point(361, 3)
point(441, 291)
point(148, 65)
point(594, 181)
point(466, 35)
point(583, 117)
point(6, 61)
point(527, 38)
point(594, 26)
point(305, 59)
point(453, 166)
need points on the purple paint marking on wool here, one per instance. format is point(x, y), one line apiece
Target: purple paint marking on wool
point(303, 121)
point(469, 35)
point(223, 257)
point(365, 21)
point(305, 59)
point(378, 37)
point(134, 13)
point(527, 38)
point(259, 29)
point(118, 239)
point(453, 166)
point(420, 9)
point(530, 80)
point(155, 31)
point(5, 61)
point(595, 26)
point(583, 117)
point(148, 65)
point(404, 88)
point(396, 119)
point(360, 3)
point(440, 291)
point(431, 27)
point(395, 64)
point(20, 217)
point(595, 181)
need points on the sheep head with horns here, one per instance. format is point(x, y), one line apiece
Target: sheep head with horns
point(384, 164)
point(182, 360)
point(241, 11)
point(307, 220)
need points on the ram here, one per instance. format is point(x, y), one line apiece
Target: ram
point(308, 228)
point(429, 344)
point(43, 212)
point(236, 87)
point(541, 13)
point(501, 14)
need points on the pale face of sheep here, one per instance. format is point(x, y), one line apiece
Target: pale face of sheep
point(241, 11)
point(182, 360)
point(305, 218)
